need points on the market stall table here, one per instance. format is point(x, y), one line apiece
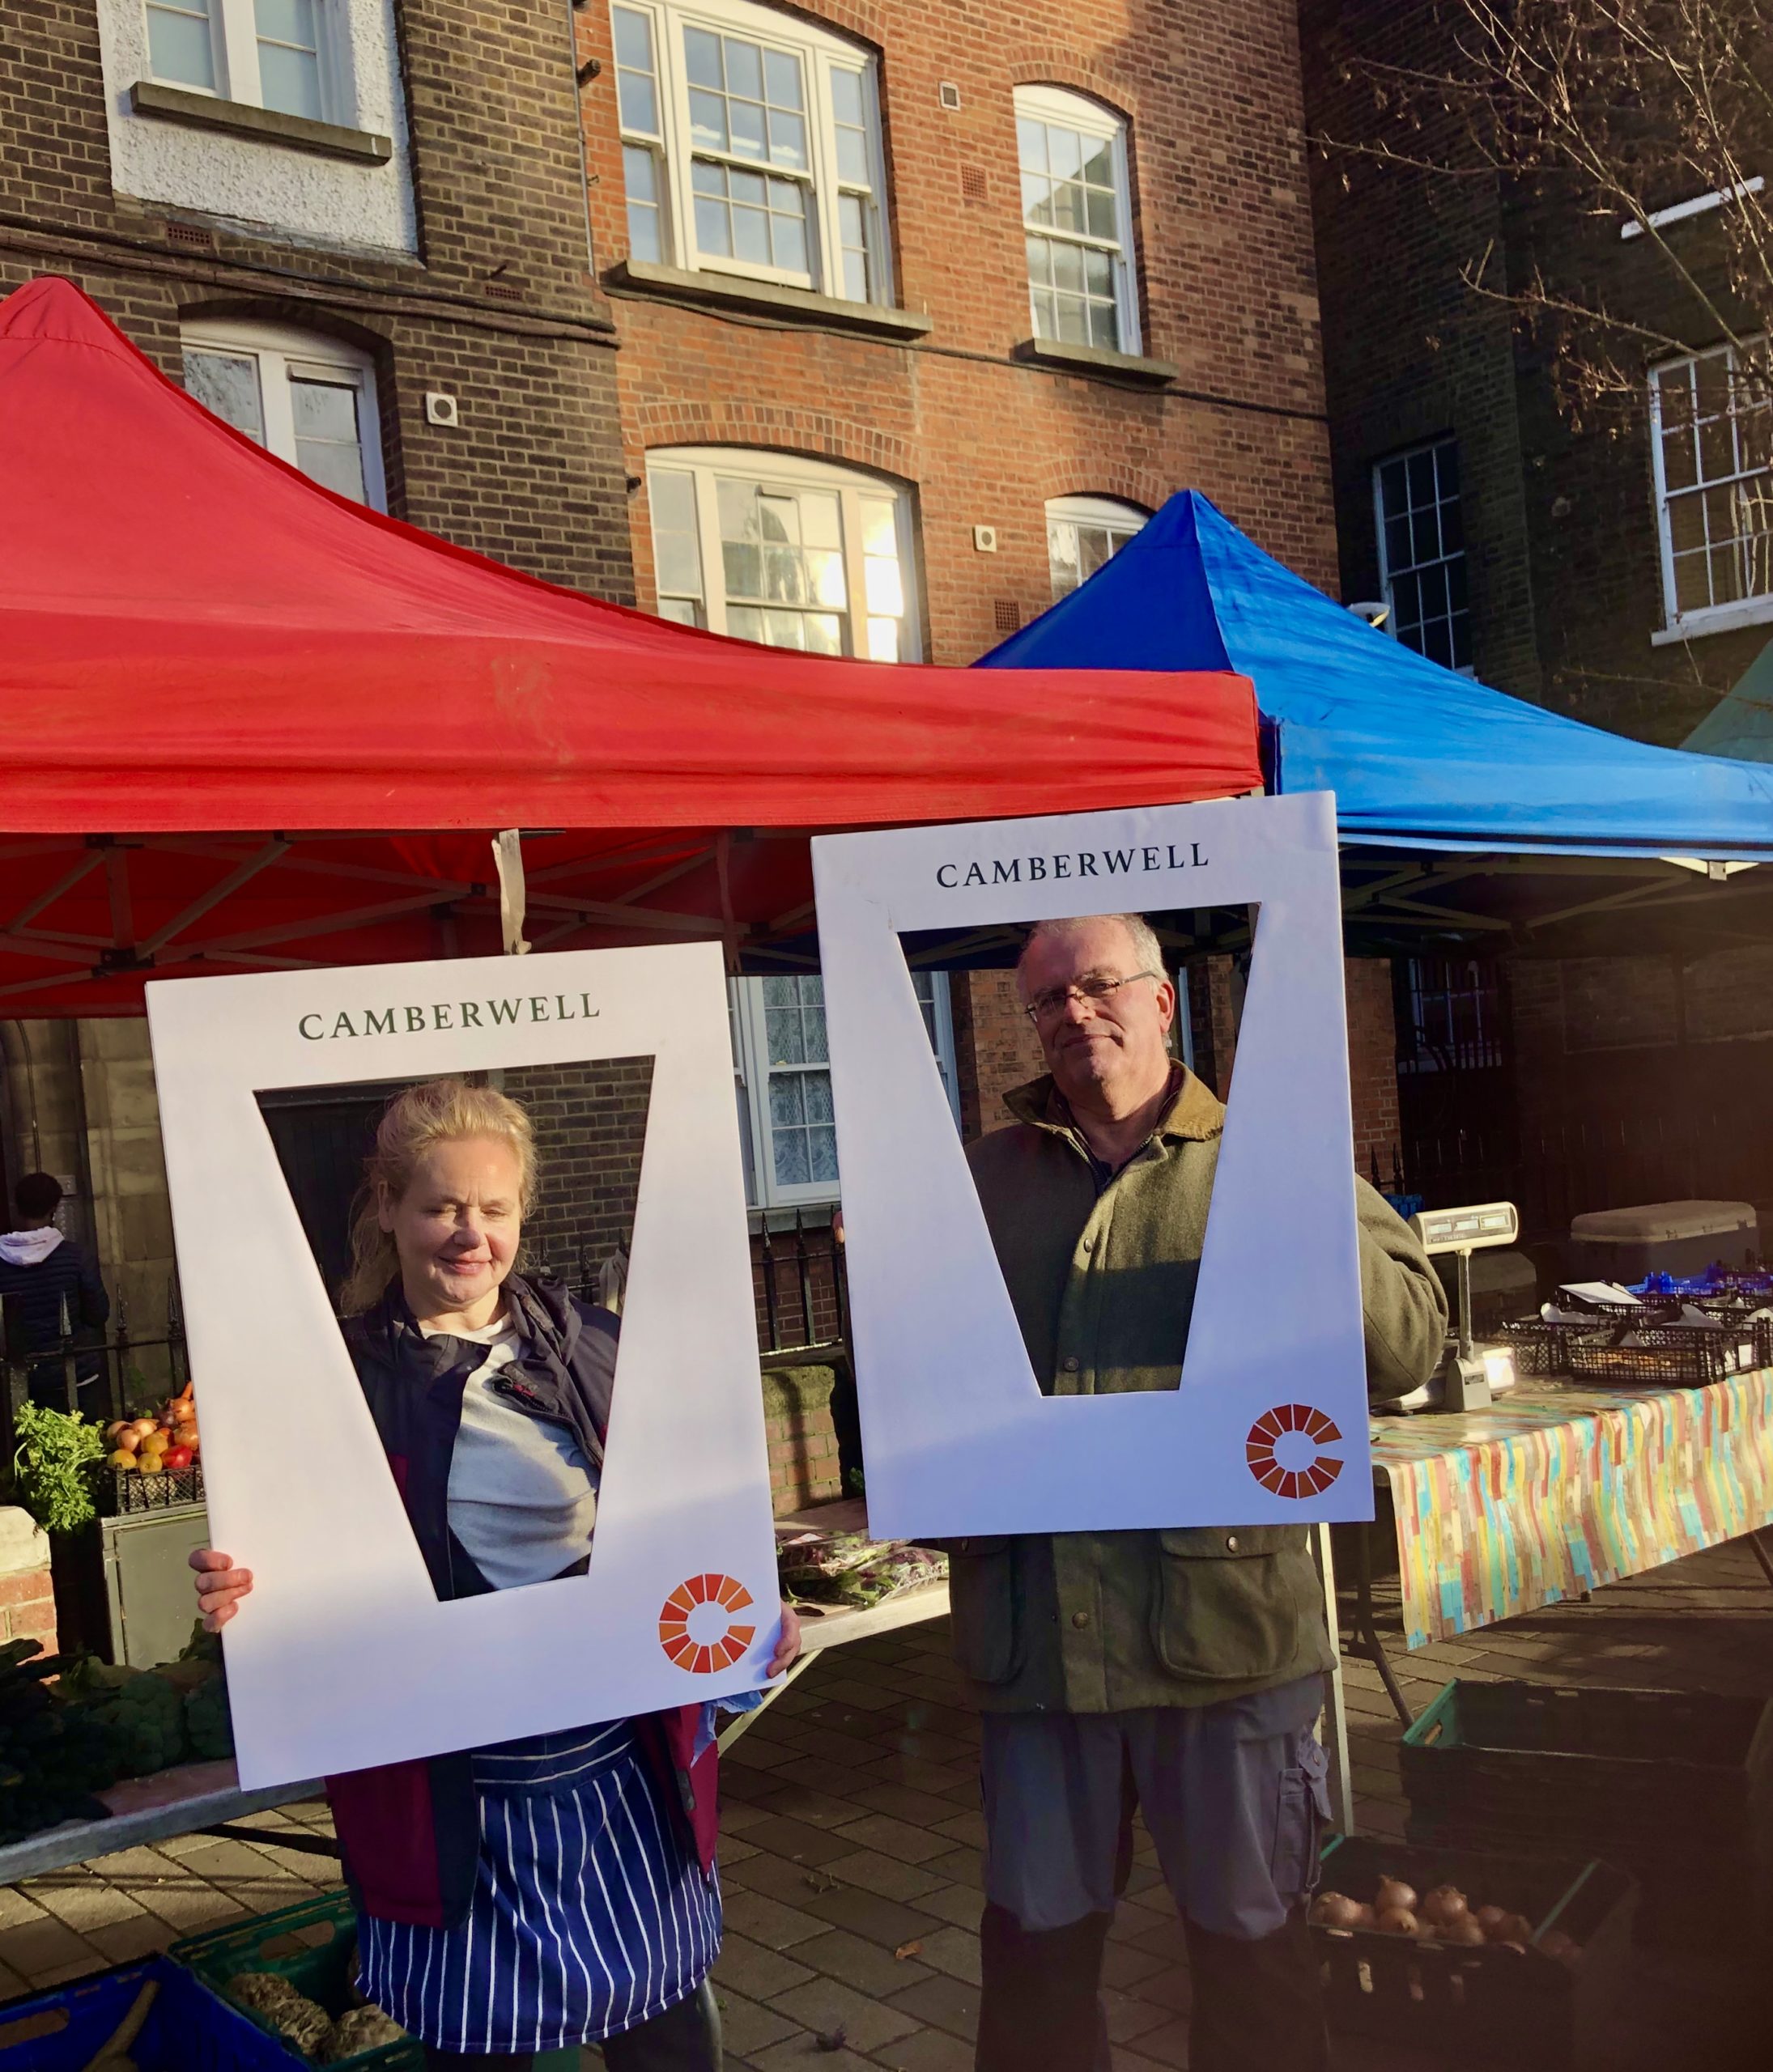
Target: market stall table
point(1559, 1488)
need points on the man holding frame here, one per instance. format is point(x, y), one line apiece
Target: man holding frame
point(1179, 1671)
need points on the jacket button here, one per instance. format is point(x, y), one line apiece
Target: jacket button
point(1089, 1245)
point(1231, 1543)
point(1071, 1365)
point(1080, 1619)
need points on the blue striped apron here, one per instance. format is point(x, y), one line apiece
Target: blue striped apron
point(589, 1915)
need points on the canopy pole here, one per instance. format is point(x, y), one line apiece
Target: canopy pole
point(513, 897)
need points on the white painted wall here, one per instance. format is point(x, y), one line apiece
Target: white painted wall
point(253, 181)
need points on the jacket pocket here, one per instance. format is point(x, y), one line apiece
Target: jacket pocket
point(1226, 1606)
point(985, 1609)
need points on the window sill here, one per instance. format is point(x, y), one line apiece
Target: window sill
point(1097, 360)
point(641, 277)
point(330, 140)
point(1716, 619)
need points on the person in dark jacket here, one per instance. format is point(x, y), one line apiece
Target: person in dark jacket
point(559, 1889)
point(50, 1291)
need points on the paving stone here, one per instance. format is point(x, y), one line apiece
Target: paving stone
point(801, 2054)
point(1169, 2045)
point(868, 1967)
point(954, 1951)
point(826, 2005)
point(884, 1874)
point(745, 2027)
point(959, 1866)
point(798, 1842)
point(122, 1942)
point(35, 1948)
point(768, 1921)
point(928, 2050)
point(793, 1884)
point(83, 1904)
point(1128, 2018)
point(903, 1802)
point(797, 1801)
point(1124, 1964)
point(882, 1921)
point(959, 1905)
point(948, 2003)
point(752, 1968)
point(1167, 1986)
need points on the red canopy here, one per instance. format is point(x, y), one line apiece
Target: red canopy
point(198, 644)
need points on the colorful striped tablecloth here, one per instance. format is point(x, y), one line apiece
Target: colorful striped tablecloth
point(1555, 1490)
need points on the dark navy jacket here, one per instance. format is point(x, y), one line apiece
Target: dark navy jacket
point(31, 1296)
point(410, 1833)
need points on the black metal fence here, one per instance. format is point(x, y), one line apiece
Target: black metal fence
point(104, 1376)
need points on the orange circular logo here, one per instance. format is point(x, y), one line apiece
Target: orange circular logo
point(698, 1628)
point(1275, 1425)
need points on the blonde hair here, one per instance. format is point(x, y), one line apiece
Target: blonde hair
point(439, 1111)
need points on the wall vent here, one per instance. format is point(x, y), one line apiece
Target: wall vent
point(193, 235)
point(1006, 615)
point(972, 182)
point(949, 95)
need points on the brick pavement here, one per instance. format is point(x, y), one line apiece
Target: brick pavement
point(851, 1864)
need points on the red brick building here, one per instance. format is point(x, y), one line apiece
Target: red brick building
point(920, 312)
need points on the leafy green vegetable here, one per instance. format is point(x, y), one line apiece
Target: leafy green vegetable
point(52, 1469)
point(52, 1757)
point(143, 1712)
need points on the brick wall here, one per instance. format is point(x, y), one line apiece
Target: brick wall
point(1227, 290)
point(1372, 1065)
point(590, 1127)
point(802, 1438)
point(27, 1595)
point(501, 311)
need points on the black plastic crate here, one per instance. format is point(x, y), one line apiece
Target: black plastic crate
point(1661, 1782)
point(1664, 1355)
point(1523, 2006)
point(123, 1490)
point(1542, 1348)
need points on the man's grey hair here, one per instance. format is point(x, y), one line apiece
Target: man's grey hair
point(1147, 951)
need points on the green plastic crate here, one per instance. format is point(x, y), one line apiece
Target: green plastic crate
point(312, 1946)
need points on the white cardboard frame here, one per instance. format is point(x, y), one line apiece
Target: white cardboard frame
point(343, 1657)
point(959, 1438)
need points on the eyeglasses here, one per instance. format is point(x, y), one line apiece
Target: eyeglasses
point(1048, 1006)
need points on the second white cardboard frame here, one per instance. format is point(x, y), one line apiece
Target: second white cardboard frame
point(343, 1657)
point(1269, 1422)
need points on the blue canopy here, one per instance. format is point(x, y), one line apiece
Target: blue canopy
point(1740, 724)
point(1418, 756)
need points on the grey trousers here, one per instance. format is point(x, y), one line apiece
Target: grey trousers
point(1234, 1796)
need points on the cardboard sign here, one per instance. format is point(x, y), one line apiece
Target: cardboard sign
point(1269, 1422)
point(343, 1657)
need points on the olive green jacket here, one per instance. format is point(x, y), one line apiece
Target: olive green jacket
point(1107, 1621)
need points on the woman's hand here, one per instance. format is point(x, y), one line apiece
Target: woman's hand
point(787, 1648)
point(220, 1586)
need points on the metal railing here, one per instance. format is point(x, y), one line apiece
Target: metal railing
point(100, 1373)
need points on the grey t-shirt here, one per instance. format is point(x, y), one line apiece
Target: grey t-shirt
point(523, 1498)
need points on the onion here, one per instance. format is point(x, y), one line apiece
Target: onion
point(1463, 1931)
point(1445, 1904)
point(1555, 1943)
point(1394, 1895)
point(1396, 1920)
point(1336, 1910)
point(1491, 1919)
point(128, 1440)
point(144, 1425)
point(1516, 1928)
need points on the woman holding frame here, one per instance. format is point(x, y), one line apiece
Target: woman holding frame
point(559, 1889)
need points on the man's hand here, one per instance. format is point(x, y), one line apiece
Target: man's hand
point(787, 1648)
point(220, 1586)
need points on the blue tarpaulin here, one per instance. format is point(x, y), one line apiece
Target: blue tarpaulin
point(1418, 756)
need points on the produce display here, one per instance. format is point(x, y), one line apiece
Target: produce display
point(306, 2024)
point(52, 1756)
point(851, 1570)
point(162, 1444)
point(1443, 1915)
point(155, 1717)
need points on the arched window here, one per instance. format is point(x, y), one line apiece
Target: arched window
point(1083, 532)
point(309, 400)
point(792, 553)
point(1077, 214)
point(751, 144)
